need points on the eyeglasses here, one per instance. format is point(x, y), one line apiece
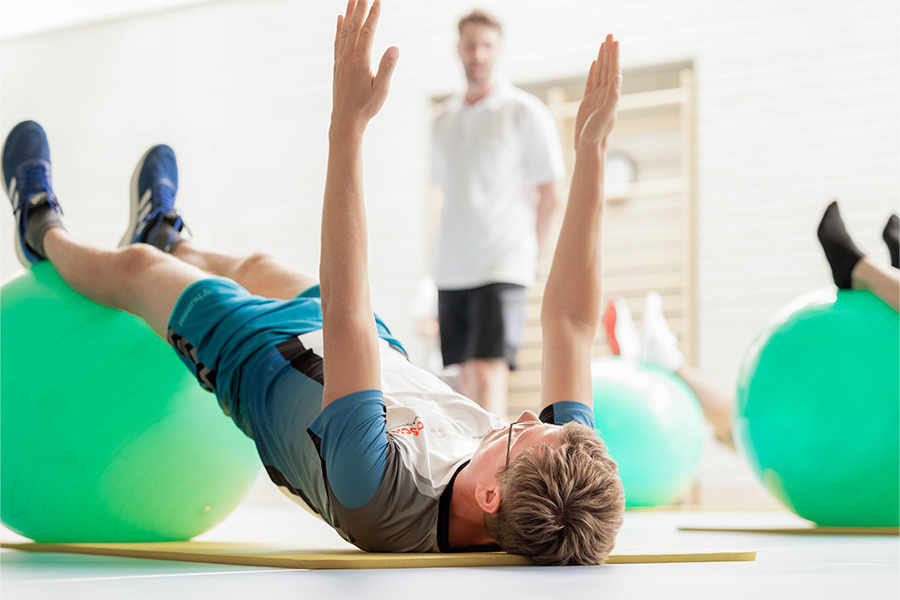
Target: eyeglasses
point(518, 426)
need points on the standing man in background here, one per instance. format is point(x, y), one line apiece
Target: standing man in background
point(497, 159)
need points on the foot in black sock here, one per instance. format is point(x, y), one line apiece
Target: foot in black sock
point(841, 252)
point(891, 237)
point(43, 214)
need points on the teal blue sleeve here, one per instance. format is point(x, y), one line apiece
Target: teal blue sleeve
point(560, 413)
point(352, 439)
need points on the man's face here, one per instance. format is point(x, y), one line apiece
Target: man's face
point(478, 48)
point(490, 456)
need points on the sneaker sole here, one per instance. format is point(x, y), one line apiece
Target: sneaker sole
point(135, 200)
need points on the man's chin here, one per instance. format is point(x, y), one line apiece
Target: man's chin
point(477, 79)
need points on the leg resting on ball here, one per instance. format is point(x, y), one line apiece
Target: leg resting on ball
point(138, 279)
point(884, 282)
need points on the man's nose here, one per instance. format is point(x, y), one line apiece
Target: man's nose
point(528, 416)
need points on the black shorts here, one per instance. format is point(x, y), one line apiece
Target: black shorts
point(483, 322)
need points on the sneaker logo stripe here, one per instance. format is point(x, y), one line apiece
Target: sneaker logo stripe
point(13, 193)
point(144, 206)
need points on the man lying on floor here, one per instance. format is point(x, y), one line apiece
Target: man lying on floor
point(385, 452)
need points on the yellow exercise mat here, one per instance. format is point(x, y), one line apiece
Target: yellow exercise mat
point(811, 529)
point(257, 555)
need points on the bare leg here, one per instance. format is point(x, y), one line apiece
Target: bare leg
point(716, 402)
point(259, 274)
point(884, 282)
point(486, 381)
point(146, 282)
point(138, 279)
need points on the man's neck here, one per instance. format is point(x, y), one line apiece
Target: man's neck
point(466, 522)
point(476, 92)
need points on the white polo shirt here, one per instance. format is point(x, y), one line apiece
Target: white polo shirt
point(488, 158)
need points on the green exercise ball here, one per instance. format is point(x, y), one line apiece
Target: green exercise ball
point(653, 427)
point(105, 436)
point(817, 412)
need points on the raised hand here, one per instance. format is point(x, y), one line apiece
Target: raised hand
point(597, 113)
point(358, 93)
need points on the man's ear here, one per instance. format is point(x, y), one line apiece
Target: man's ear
point(488, 497)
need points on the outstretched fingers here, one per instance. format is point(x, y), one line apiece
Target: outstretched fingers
point(589, 84)
point(610, 49)
point(600, 73)
point(353, 34)
point(605, 69)
point(337, 36)
point(366, 33)
point(358, 93)
point(596, 115)
point(347, 29)
point(354, 24)
point(615, 72)
point(341, 41)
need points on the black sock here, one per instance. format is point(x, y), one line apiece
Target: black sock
point(160, 233)
point(891, 237)
point(841, 252)
point(41, 218)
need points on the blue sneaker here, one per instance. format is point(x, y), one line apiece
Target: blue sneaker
point(154, 219)
point(26, 180)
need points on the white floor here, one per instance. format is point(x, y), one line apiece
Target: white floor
point(787, 566)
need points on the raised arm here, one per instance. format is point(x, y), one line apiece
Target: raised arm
point(570, 313)
point(350, 335)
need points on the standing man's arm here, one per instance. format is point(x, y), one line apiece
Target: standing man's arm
point(571, 308)
point(348, 324)
point(548, 202)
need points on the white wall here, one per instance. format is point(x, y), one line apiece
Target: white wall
point(797, 103)
point(39, 16)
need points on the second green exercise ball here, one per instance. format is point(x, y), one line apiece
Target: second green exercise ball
point(818, 409)
point(653, 427)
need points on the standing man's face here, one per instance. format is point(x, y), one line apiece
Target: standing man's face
point(478, 47)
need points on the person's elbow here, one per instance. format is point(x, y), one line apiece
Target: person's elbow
point(573, 326)
point(549, 197)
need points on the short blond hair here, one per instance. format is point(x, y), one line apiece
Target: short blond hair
point(481, 18)
point(563, 505)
